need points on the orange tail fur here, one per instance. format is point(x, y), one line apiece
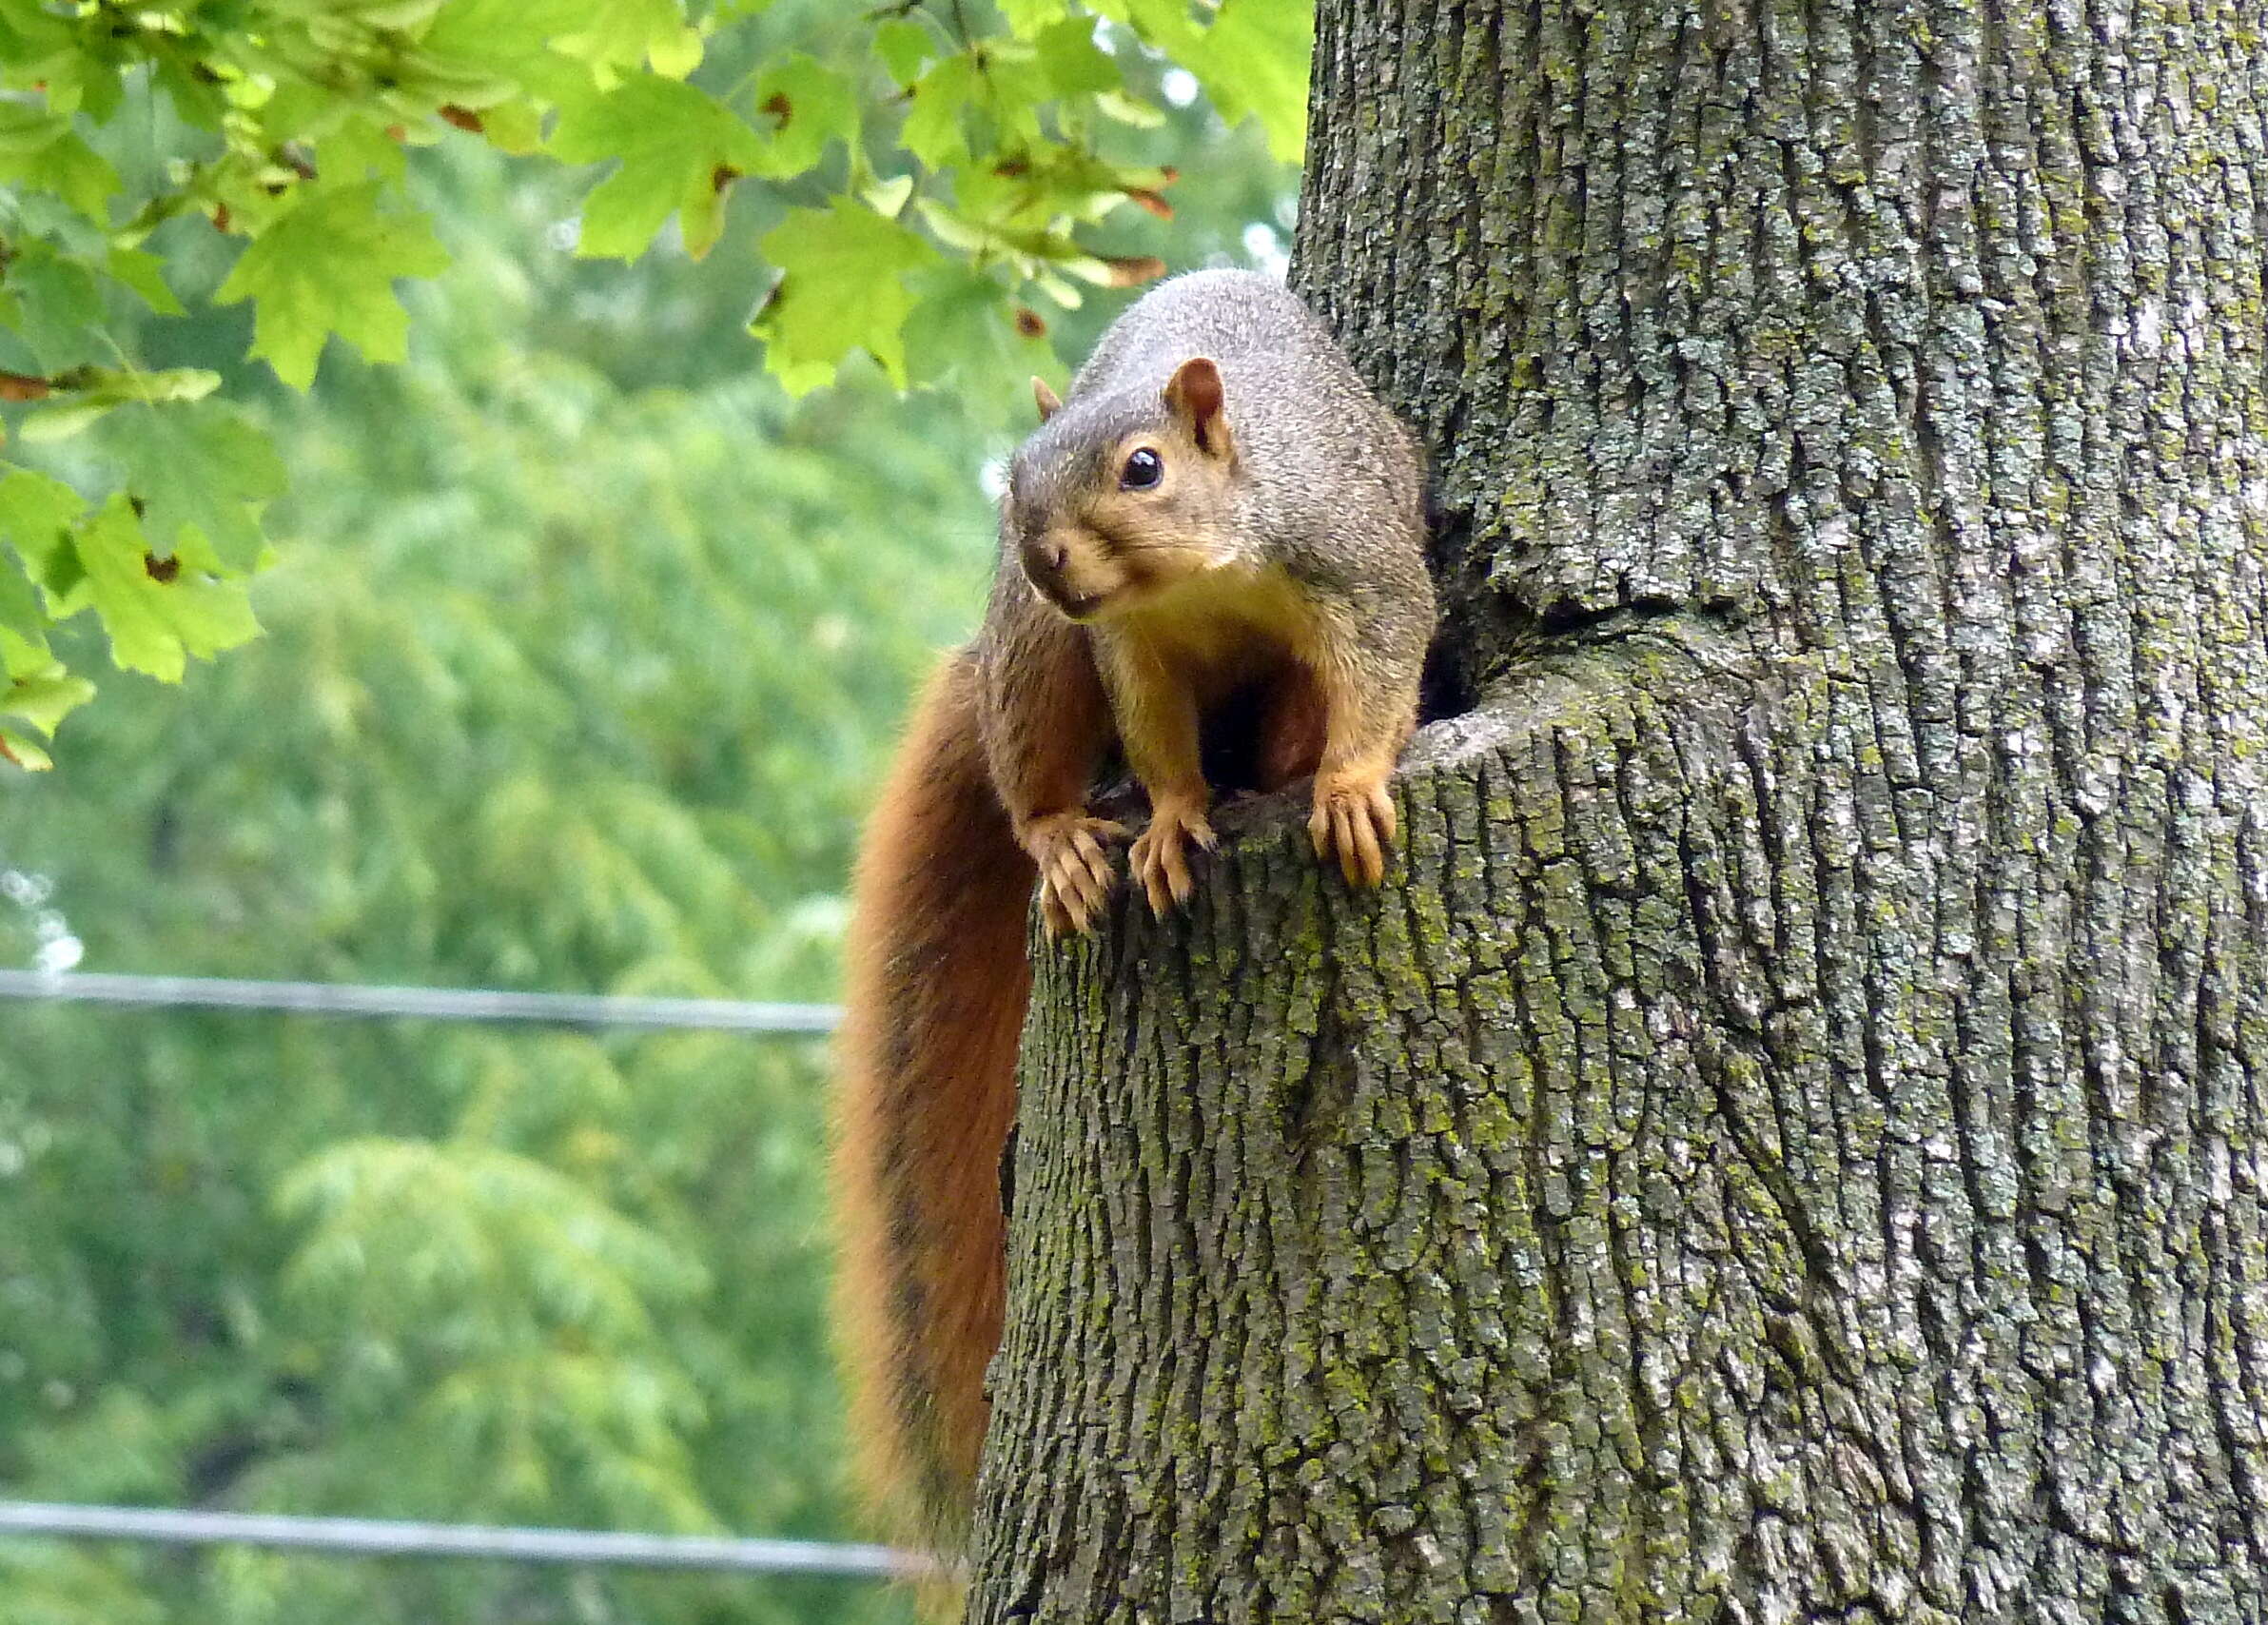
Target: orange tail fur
point(936, 987)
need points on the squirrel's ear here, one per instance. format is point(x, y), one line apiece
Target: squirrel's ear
point(1193, 394)
point(1047, 400)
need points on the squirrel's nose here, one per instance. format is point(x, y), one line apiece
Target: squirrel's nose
point(1043, 559)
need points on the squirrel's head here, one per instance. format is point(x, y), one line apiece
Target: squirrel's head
point(1118, 496)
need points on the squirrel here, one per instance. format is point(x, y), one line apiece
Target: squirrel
point(1218, 520)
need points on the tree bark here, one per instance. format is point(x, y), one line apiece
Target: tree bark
point(1788, 1143)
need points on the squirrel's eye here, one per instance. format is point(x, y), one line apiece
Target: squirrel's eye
point(1143, 469)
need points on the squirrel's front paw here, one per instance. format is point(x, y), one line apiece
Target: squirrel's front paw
point(1075, 874)
point(1354, 817)
point(1161, 856)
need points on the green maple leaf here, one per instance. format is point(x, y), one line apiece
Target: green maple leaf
point(38, 147)
point(933, 130)
point(201, 471)
point(902, 46)
point(19, 748)
point(679, 146)
point(1255, 60)
point(513, 42)
point(145, 275)
point(1027, 17)
point(1000, 84)
point(842, 287)
point(1071, 61)
point(1164, 24)
point(500, 36)
point(965, 328)
point(158, 613)
point(46, 696)
point(36, 515)
point(22, 623)
point(328, 266)
point(621, 33)
point(55, 306)
point(808, 104)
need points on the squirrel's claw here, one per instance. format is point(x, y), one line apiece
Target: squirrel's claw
point(1161, 860)
point(1059, 917)
point(1075, 871)
point(1353, 818)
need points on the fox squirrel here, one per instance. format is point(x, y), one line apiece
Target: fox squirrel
point(1220, 518)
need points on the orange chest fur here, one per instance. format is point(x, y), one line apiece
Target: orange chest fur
point(1213, 633)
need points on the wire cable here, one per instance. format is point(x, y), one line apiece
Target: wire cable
point(441, 1004)
point(386, 1538)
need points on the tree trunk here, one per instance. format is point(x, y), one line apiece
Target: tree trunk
point(1789, 1146)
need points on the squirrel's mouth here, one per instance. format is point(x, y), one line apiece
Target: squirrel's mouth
point(1080, 607)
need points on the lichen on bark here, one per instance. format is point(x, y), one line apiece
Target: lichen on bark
point(1787, 1143)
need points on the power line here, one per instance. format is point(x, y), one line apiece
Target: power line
point(386, 1537)
point(444, 1004)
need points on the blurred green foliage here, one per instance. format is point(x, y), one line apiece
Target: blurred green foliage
point(932, 171)
point(584, 649)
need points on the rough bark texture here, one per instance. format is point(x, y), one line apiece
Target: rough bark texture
point(1789, 1146)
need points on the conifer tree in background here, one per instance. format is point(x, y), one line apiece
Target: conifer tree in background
point(1786, 1144)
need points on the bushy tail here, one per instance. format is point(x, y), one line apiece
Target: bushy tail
point(936, 987)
